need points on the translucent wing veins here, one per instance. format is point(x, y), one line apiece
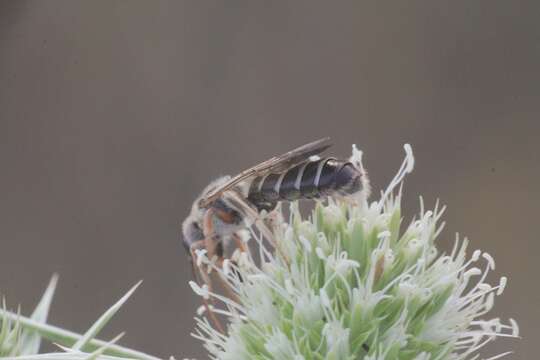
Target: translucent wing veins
point(274, 164)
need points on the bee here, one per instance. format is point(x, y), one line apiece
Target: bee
point(230, 204)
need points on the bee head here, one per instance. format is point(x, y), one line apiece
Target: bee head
point(192, 232)
point(192, 228)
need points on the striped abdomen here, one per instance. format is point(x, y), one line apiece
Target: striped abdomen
point(308, 180)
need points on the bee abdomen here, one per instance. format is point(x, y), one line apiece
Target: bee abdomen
point(308, 180)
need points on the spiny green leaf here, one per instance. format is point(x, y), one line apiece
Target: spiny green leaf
point(103, 320)
point(31, 340)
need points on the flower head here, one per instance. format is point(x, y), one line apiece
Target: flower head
point(354, 281)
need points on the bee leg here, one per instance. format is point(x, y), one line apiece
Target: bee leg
point(225, 285)
point(274, 217)
point(214, 246)
point(252, 214)
point(243, 248)
point(239, 243)
point(201, 276)
point(213, 242)
point(266, 227)
point(258, 222)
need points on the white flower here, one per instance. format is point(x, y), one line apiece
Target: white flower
point(279, 346)
point(337, 340)
point(353, 281)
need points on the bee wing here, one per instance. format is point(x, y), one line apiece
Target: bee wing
point(274, 164)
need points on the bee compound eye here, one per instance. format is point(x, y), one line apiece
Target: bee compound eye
point(192, 232)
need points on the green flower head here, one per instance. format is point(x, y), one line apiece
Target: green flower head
point(354, 281)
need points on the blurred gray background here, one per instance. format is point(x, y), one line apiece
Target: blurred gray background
point(114, 115)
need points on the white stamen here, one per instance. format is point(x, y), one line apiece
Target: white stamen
point(356, 157)
point(226, 267)
point(515, 327)
point(320, 253)
point(409, 158)
point(201, 291)
point(201, 255)
point(490, 260)
point(201, 310)
point(502, 285)
point(305, 242)
point(325, 301)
